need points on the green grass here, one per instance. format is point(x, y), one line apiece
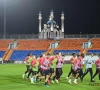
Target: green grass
point(11, 79)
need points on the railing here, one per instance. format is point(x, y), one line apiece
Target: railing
point(31, 36)
point(20, 36)
point(83, 36)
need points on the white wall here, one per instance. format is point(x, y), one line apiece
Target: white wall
point(67, 58)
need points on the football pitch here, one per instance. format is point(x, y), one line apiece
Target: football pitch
point(11, 79)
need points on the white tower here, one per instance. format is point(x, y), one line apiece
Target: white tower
point(51, 29)
point(51, 19)
point(40, 20)
point(62, 22)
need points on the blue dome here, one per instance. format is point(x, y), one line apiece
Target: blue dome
point(52, 10)
point(50, 22)
point(62, 12)
point(40, 12)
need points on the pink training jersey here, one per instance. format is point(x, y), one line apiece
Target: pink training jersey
point(60, 62)
point(72, 60)
point(81, 62)
point(41, 60)
point(33, 62)
point(26, 58)
point(81, 58)
point(45, 64)
point(77, 64)
point(51, 58)
point(98, 63)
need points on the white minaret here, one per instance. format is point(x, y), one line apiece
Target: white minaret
point(40, 20)
point(62, 22)
point(51, 19)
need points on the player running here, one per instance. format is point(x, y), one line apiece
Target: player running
point(71, 61)
point(45, 69)
point(97, 68)
point(81, 70)
point(27, 60)
point(42, 58)
point(60, 62)
point(53, 61)
point(35, 67)
point(76, 68)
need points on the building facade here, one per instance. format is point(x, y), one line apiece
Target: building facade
point(51, 29)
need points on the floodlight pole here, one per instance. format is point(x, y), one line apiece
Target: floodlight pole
point(4, 19)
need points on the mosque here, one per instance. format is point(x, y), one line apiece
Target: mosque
point(51, 29)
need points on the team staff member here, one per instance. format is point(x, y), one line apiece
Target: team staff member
point(89, 63)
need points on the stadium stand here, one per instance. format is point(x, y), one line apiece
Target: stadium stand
point(95, 49)
point(33, 44)
point(96, 44)
point(71, 44)
point(2, 53)
point(4, 44)
point(4, 47)
point(21, 54)
point(38, 47)
point(9, 54)
point(5, 54)
point(68, 46)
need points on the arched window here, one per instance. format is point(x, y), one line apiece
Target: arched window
point(47, 34)
point(56, 33)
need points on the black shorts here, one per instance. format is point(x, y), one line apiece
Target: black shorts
point(28, 67)
point(34, 72)
point(51, 70)
point(41, 71)
point(46, 72)
point(78, 70)
point(98, 70)
point(73, 72)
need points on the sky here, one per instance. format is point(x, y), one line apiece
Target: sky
point(22, 15)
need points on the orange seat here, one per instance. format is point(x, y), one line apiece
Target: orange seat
point(33, 44)
point(71, 44)
point(95, 44)
point(4, 44)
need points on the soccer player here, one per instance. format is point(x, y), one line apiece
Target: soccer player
point(97, 68)
point(30, 69)
point(89, 63)
point(42, 58)
point(27, 61)
point(53, 61)
point(81, 70)
point(45, 69)
point(76, 68)
point(59, 66)
point(71, 61)
point(35, 67)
